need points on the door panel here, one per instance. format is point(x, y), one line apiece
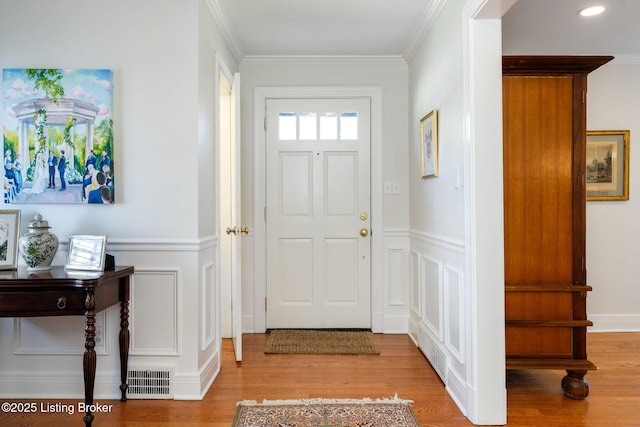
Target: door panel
point(236, 218)
point(296, 267)
point(295, 183)
point(318, 185)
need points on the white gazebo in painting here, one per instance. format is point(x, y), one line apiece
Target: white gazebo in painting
point(57, 115)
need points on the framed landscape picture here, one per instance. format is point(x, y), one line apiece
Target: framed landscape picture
point(607, 168)
point(429, 145)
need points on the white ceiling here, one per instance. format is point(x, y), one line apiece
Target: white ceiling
point(553, 27)
point(393, 27)
point(323, 27)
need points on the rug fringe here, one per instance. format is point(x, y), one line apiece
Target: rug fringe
point(321, 401)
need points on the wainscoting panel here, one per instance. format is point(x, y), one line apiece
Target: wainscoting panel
point(173, 322)
point(394, 302)
point(431, 286)
point(414, 282)
point(158, 318)
point(58, 335)
point(397, 269)
point(209, 304)
point(454, 301)
point(438, 311)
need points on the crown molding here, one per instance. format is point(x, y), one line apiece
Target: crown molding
point(429, 17)
point(395, 60)
point(220, 16)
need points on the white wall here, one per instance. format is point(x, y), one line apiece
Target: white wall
point(456, 228)
point(389, 76)
point(163, 220)
point(613, 227)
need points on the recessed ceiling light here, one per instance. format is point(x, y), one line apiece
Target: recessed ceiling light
point(591, 11)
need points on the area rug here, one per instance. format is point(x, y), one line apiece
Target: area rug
point(306, 341)
point(391, 412)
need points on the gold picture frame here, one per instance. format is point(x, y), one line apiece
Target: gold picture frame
point(9, 231)
point(429, 145)
point(607, 165)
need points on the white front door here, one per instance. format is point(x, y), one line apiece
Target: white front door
point(318, 213)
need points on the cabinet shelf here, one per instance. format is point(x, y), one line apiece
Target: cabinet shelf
point(547, 288)
point(550, 323)
point(560, 364)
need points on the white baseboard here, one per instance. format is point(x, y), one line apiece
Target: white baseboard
point(615, 323)
point(57, 385)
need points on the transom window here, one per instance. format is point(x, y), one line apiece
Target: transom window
point(312, 126)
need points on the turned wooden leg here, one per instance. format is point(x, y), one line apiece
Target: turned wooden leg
point(124, 348)
point(89, 359)
point(575, 386)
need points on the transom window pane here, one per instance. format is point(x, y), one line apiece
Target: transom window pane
point(287, 126)
point(348, 125)
point(328, 126)
point(308, 126)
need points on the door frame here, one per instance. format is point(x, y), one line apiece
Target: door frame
point(261, 94)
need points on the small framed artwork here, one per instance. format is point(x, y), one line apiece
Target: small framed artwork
point(86, 253)
point(9, 230)
point(429, 145)
point(607, 168)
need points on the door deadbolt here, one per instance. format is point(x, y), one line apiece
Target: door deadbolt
point(364, 216)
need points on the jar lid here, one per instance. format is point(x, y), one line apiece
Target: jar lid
point(38, 222)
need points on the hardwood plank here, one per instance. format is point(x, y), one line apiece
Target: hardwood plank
point(534, 397)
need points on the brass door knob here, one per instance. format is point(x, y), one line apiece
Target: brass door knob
point(364, 232)
point(237, 230)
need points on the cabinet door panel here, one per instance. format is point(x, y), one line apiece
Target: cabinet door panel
point(538, 185)
point(554, 342)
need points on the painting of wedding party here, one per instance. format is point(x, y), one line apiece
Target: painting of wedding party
point(57, 136)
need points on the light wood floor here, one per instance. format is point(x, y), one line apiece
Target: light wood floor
point(534, 397)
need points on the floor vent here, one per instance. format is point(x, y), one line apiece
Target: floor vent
point(434, 354)
point(439, 362)
point(150, 384)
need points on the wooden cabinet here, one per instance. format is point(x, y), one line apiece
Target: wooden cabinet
point(544, 131)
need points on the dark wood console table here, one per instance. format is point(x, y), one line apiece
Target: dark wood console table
point(60, 292)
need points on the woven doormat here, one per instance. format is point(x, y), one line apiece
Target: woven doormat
point(326, 412)
point(305, 341)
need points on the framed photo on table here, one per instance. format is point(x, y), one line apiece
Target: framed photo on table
point(607, 168)
point(429, 145)
point(9, 230)
point(87, 253)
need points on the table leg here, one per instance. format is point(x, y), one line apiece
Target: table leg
point(89, 359)
point(124, 348)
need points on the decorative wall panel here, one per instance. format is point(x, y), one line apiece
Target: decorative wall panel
point(155, 322)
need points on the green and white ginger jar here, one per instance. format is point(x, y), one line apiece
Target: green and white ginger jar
point(38, 246)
